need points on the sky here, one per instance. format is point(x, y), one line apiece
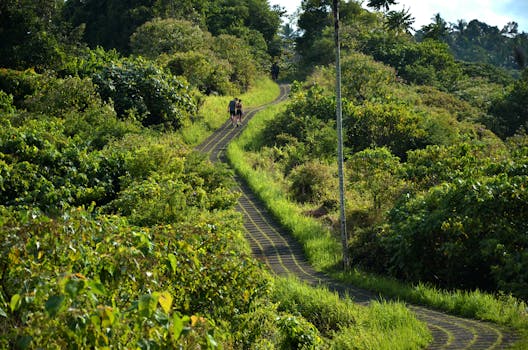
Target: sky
point(492, 12)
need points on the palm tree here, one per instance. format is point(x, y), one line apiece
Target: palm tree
point(438, 30)
point(460, 26)
point(400, 21)
point(378, 4)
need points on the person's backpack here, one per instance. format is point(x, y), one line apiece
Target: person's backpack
point(232, 105)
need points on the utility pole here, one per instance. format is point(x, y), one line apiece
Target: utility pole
point(339, 117)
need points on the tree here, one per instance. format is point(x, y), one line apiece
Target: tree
point(375, 172)
point(29, 35)
point(511, 113)
point(229, 16)
point(146, 91)
point(315, 16)
point(400, 21)
point(378, 4)
point(168, 36)
point(438, 30)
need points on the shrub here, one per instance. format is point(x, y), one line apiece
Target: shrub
point(311, 181)
point(206, 72)
point(45, 169)
point(56, 97)
point(238, 53)
point(6, 103)
point(143, 89)
point(467, 233)
point(84, 280)
point(19, 84)
point(375, 172)
point(393, 125)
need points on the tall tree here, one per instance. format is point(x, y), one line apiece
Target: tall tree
point(378, 4)
point(315, 16)
point(400, 21)
point(438, 30)
point(108, 23)
point(29, 33)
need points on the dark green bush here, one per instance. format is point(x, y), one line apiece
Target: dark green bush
point(392, 125)
point(6, 103)
point(469, 233)
point(19, 84)
point(144, 90)
point(44, 168)
point(55, 97)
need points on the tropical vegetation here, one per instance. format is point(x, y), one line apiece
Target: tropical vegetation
point(114, 232)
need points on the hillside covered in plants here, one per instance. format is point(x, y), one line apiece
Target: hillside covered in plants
point(114, 232)
point(435, 151)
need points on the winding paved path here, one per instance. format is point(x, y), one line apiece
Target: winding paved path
point(284, 256)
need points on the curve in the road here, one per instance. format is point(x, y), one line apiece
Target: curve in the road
point(284, 256)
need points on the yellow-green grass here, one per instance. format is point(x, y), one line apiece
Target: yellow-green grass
point(346, 325)
point(213, 112)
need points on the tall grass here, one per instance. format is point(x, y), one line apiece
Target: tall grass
point(346, 325)
point(213, 112)
point(324, 250)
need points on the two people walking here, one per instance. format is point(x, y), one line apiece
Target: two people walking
point(235, 111)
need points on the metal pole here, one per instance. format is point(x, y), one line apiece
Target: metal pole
point(339, 117)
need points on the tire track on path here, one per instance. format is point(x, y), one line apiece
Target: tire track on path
point(284, 256)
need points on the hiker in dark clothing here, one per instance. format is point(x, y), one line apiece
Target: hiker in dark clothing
point(275, 71)
point(238, 112)
point(231, 108)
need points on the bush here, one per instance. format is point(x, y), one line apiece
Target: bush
point(56, 97)
point(312, 182)
point(375, 174)
point(392, 125)
point(238, 53)
point(82, 280)
point(6, 103)
point(19, 84)
point(464, 234)
point(140, 88)
point(43, 168)
point(206, 72)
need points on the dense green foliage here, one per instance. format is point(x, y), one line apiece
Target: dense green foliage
point(432, 189)
point(322, 246)
point(218, 17)
point(113, 233)
point(85, 280)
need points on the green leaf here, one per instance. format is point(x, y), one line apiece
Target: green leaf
point(96, 287)
point(24, 342)
point(165, 301)
point(177, 327)
point(173, 262)
point(15, 303)
point(54, 304)
point(211, 343)
point(2, 312)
